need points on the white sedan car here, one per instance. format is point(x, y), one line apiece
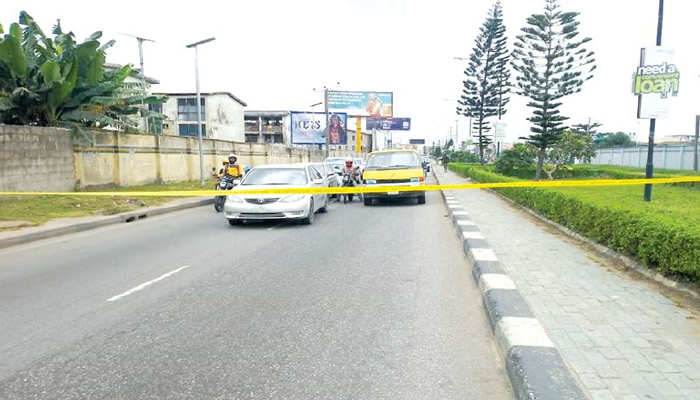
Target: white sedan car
point(245, 207)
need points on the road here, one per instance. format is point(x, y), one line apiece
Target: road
point(368, 303)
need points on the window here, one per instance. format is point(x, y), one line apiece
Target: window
point(252, 124)
point(191, 129)
point(251, 138)
point(275, 176)
point(187, 109)
point(315, 175)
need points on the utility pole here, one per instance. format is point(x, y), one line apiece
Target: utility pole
point(459, 145)
point(143, 74)
point(697, 136)
point(328, 126)
point(652, 123)
point(327, 131)
point(199, 106)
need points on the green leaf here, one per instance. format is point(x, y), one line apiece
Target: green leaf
point(95, 72)
point(51, 72)
point(11, 52)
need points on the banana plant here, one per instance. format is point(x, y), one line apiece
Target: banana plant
point(56, 81)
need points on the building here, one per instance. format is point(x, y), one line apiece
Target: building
point(222, 115)
point(267, 127)
point(134, 86)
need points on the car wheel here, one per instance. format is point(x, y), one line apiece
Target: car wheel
point(324, 209)
point(234, 222)
point(421, 199)
point(368, 201)
point(312, 214)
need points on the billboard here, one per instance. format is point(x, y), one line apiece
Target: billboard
point(362, 104)
point(389, 124)
point(655, 79)
point(309, 128)
point(416, 141)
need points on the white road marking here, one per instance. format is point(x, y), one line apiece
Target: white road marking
point(454, 205)
point(473, 235)
point(460, 213)
point(517, 331)
point(465, 222)
point(483, 255)
point(146, 284)
point(495, 281)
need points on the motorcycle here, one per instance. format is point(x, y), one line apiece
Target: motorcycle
point(349, 182)
point(227, 182)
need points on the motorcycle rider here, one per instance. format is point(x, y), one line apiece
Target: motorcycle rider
point(352, 170)
point(233, 168)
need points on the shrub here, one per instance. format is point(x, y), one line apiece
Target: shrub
point(666, 237)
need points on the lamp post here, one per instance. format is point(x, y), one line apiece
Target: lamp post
point(199, 105)
point(325, 106)
point(652, 123)
point(313, 115)
point(143, 73)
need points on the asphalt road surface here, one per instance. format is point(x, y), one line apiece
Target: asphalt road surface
point(367, 303)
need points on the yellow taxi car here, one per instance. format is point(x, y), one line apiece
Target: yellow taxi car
point(398, 168)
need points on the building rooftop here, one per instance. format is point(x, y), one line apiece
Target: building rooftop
point(189, 94)
point(255, 113)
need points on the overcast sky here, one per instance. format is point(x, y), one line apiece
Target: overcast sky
point(273, 53)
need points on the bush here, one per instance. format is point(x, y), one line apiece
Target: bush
point(664, 235)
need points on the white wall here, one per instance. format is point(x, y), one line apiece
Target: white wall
point(672, 157)
point(224, 118)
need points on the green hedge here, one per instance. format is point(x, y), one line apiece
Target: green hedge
point(665, 239)
point(589, 171)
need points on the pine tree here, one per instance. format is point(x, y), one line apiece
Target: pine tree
point(486, 84)
point(551, 63)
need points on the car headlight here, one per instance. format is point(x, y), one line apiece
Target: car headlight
point(234, 199)
point(371, 181)
point(293, 198)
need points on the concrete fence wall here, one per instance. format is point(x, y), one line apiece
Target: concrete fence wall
point(35, 159)
point(671, 157)
point(39, 159)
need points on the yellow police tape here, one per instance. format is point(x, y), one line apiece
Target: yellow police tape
point(372, 189)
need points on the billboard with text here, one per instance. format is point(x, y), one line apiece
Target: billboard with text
point(362, 104)
point(310, 128)
point(389, 124)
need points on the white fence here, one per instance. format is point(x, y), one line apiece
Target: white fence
point(672, 157)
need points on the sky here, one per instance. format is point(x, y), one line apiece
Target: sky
point(274, 53)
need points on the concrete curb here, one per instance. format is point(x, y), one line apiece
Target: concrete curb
point(49, 232)
point(535, 367)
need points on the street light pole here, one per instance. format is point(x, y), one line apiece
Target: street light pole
point(697, 136)
point(328, 127)
point(143, 74)
point(199, 106)
point(652, 123)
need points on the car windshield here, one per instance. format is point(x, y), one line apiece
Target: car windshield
point(393, 160)
point(276, 176)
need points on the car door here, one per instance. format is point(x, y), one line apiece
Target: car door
point(317, 182)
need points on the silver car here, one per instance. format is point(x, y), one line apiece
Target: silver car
point(243, 207)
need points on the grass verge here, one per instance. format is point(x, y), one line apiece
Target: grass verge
point(40, 209)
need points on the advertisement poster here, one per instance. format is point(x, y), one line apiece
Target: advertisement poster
point(362, 104)
point(655, 81)
point(310, 128)
point(389, 124)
